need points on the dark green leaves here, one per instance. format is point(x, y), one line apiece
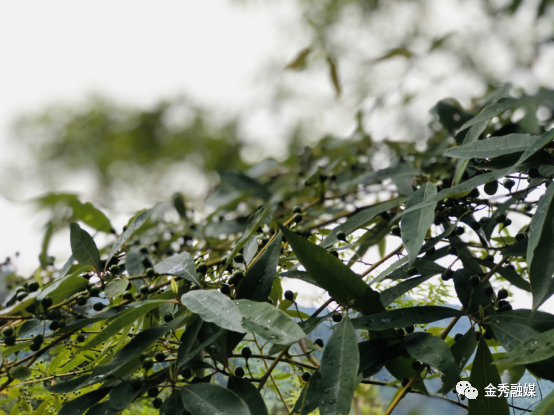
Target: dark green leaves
point(210, 399)
point(400, 318)
point(213, 306)
point(484, 373)
point(432, 350)
point(135, 225)
point(416, 223)
point(116, 288)
point(339, 368)
point(492, 147)
point(269, 322)
point(83, 247)
point(488, 112)
point(546, 406)
point(540, 247)
point(249, 394)
point(82, 403)
point(181, 265)
point(536, 348)
point(20, 372)
point(258, 280)
point(359, 220)
point(331, 274)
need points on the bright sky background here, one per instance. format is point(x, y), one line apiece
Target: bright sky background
point(137, 52)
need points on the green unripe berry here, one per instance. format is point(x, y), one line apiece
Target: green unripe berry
point(8, 331)
point(489, 257)
point(81, 301)
point(509, 184)
point(520, 236)
point(94, 291)
point(297, 218)
point(10, 341)
point(491, 188)
point(416, 365)
point(54, 325)
point(457, 337)
point(160, 356)
point(202, 268)
point(52, 314)
point(157, 403)
point(488, 334)
point(33, 287)
point(81, 338)
point(34, 347)
point(447, 275)
point(168, 317)
point(246, 353)
point(150, 272)
point(239, 275)
point(128, 295)
point(114, 269)
point(148, 363)
point(500, 218)
point(341, 236)
point(319, 342)
point(412, 271)
point(452, 250)
point(21, 296)
point(98, 306)
point(395, 230)
point(38, 339)
point(488, 291)
point(297, 209)
point(533, 173)
point(507, 222)
point(225, 289)
point(239, 258)
point(144, 289)
point(239, 372)
point(502, 294)
point(186, 373)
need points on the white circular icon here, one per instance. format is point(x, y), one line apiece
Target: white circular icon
point(471, 393)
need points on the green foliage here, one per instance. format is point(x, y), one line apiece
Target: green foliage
point(183, 312)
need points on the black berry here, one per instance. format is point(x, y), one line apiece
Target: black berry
point(289, 295)
point(239, 372)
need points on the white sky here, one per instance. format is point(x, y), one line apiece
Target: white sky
point(137, 52)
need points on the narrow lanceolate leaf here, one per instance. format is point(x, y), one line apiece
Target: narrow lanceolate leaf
point(308, 400)
point(135, 225)
point(62, 288)
point(471, 136)
point(540, 247)
point(249, 394)
point(400, 318)
point(392, 293)
point(332, 275)
point(416, 223)
point(339, 368)
point(181, 265)
point(116, 288)
point(83, 247)
point(213, 306)
point(546, 406)
point(121, 322)
point(536, 348)
point(210, 399)
point(359, 220)
point(538, 320)
point(269, 322)
point(484, 373)
point(82, 403)
point(188, 339)
point(254, 221)
point(462, 350)
point(258, 280)
point(488, 112)
point(432, 350)
point(492, 147)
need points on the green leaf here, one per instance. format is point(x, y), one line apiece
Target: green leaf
point(62, 288)
point(173, 405)
point(81, 404)
point(432, 350)
point(210, 399)
point(300, 275)
point(241, 182)
point(188, 339)
point(123, 395)
point(20, 372)
point(45, 243)
point(538, 320)
point(415, 224)
point(488, 112)
point(258, 281)
point(83, 247)
point(181, 265)
point(249, 394)
point(269, 322)
point(400, 318)
point(20, 306)
point(401, 368)
point(254, 221)
point(539, 249)
point(116, 288)
point(471, 136)
point(546, 405)
point(392, 293)
point(213, 306)
point(466, 291)
point(359, 220)
point(309, 397)
point(492, 147)
point(507, 273)
point(484, 373)
point(339, 368)
point(462, 350)
point(536, 348)
point(127, 318)
point(135, 225)
point(332, 275)
point(299, 62)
